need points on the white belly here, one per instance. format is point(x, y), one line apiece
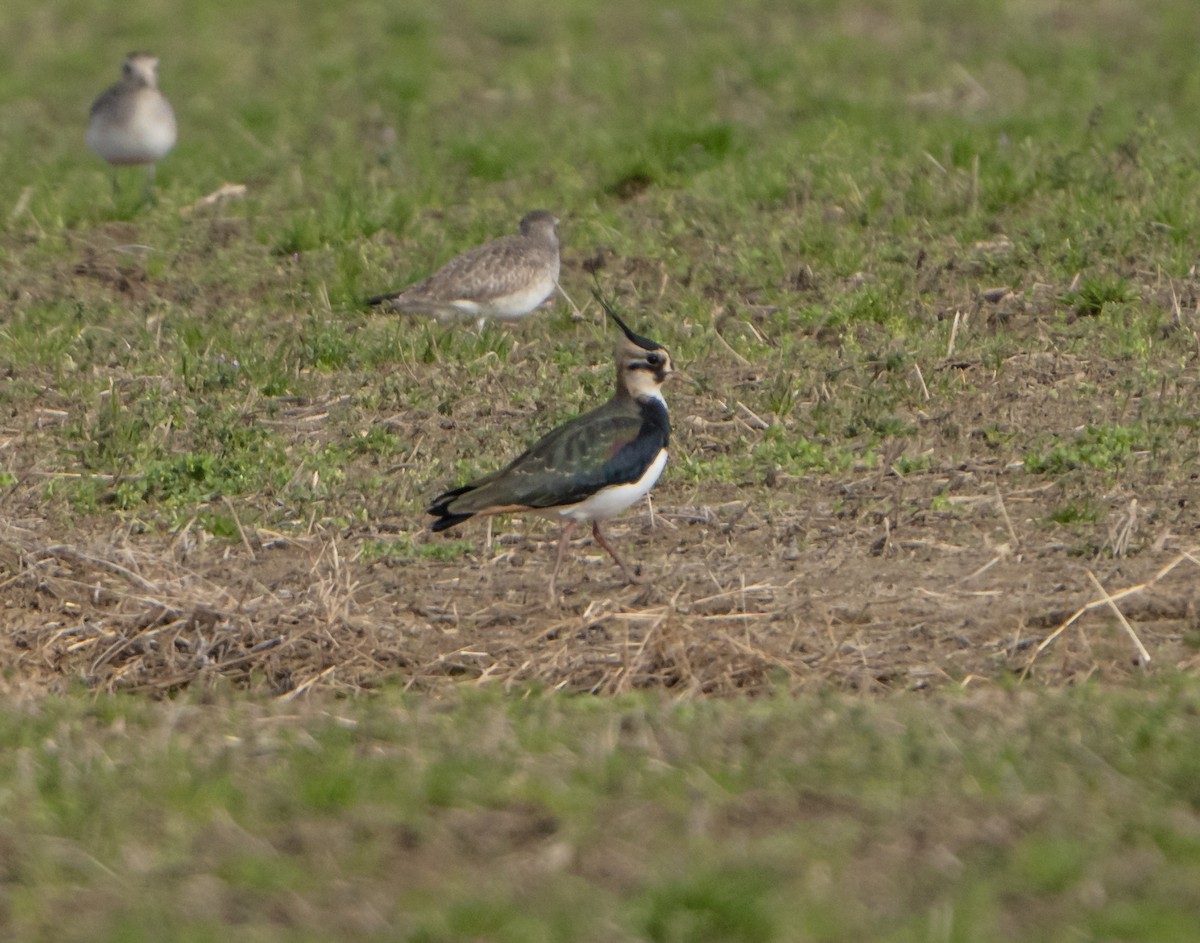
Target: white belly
point(613, 500)
point(146, 135)
point(513, 306)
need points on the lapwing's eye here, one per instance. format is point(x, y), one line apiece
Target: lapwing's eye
point(655, 360)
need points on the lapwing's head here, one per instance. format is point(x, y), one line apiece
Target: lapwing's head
point(540, 224)
point(141, 68)
point(643, 365)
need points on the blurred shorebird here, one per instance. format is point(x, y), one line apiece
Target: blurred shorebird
point(505, 279)
point(589, 469)
point(132, 122)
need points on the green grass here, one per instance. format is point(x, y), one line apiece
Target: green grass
point(973, 816)
point(1098, 447)
point(406, 549)
point(730, 152)
point(1096, 292)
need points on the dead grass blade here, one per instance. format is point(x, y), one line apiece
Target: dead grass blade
point(1145, 655)
point(1107, 600)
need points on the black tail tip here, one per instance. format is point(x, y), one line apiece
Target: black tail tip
point(446, 520)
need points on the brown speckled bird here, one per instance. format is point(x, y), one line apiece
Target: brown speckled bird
point(505, 279)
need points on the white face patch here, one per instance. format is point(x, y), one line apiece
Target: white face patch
point(635, 375)
point(609, 502)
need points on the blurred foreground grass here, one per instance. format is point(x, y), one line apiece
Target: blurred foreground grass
point(985, 815)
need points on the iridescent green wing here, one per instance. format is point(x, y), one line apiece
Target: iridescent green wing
point(567, 465)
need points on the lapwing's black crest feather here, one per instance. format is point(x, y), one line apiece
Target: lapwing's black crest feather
point(643, 342)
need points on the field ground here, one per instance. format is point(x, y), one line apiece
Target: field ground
point(928, 534)
point(863, 587)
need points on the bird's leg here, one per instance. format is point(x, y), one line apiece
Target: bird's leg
point(567, 527)
point(603, 542)
point(149, 195)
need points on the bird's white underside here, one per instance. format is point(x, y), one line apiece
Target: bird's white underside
point(515, 305)
point(611, 501)
point(145, 137)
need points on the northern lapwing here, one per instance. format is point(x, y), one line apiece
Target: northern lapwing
point(132, 122)
point(589, 469)
point(506, 279)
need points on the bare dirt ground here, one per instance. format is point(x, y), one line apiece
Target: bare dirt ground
point(868, 580)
